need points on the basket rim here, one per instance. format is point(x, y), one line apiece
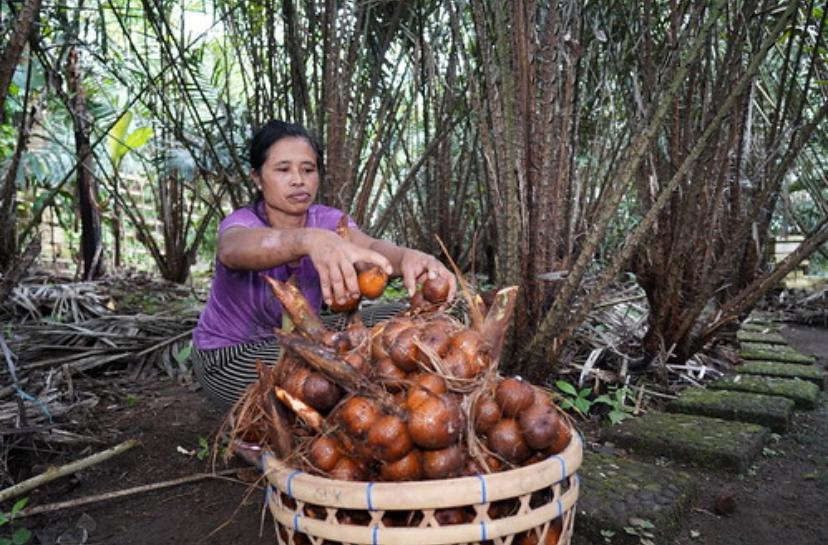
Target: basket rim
point(435, 493)
point(477, 531)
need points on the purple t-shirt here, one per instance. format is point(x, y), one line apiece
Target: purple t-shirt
point(241, 307)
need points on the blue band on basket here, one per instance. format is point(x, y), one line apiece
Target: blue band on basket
point(368, 496)
point(560, 508)
point(296, 522)
point(375, 535)
point(483, 494)
point(290, 482)
point(483, 536)
point(563, 467)
point(267, 494)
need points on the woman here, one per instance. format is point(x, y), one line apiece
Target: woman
point(283, 234)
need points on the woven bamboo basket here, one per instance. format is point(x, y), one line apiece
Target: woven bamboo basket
point(314, 510)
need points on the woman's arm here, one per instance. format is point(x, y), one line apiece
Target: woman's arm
point(261, 248)
point(413, 265)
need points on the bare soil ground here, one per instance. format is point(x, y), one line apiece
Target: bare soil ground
point(163, 416)
point(782, 500)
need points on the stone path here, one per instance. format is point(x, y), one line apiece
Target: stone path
point(773, 412)
point(784, 370)
point(772, 352)
point(748, 336)
point(803, 393)
point(723, 427)
point(617, 490)
point(692, 439)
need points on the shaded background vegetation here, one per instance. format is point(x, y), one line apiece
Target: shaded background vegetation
point(554, 145)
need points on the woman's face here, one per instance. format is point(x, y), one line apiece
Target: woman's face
point(288, 178)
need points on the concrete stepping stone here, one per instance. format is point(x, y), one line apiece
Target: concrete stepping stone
point(749, 336)
point(764, 318)
point(773, 412)
point(616, 493)
point(812, 373)
point(763, 327)
point(699, 440)
point(773, 352)
point(804, 394)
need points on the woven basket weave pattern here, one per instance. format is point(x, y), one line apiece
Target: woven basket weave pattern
point(319, 511)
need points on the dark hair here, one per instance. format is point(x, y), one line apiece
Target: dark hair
point(272, 132)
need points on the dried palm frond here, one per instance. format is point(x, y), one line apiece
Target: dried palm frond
point(75, 302)
point(808, 307)
point(609, 343)
point(44, 296)
point(140, 341)
point(611, 335)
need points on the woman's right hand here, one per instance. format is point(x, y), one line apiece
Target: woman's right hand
point(335, 261)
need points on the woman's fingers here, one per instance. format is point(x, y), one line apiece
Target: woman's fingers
point(339, 290)
point(338, 278)
point(414, 270)
point(410, 283)
point(424, 267)
point(349, 278)
point(332, 282)
point(325, 284)
point(370, 256)
point(452, 281)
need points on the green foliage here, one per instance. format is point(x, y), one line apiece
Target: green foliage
point(184, 354)
point(395, 290)
point(203, 448)
point(580, 402)
point(18, 536)
point(120, 143)
point(574, 398)
point(616, 399)
point(7, 140)
point(768, 452)
point(641, 528)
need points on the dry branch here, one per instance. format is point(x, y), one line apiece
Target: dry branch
point(52, 507)
point(67, 469)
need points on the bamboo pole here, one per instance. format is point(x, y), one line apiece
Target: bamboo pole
point(56, 472)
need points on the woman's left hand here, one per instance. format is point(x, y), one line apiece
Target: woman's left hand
point(416, 267)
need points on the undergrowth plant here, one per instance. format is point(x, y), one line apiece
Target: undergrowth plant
point(615, 400)
point(575, 399)
point(18, 536)
point(581, 402)
point(643, 529)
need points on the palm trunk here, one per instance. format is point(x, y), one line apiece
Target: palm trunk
point(86, 185)
point(23, 24)
point(8, 191)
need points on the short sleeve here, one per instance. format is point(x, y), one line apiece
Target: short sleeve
point(328, 217)
point(243, 217)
